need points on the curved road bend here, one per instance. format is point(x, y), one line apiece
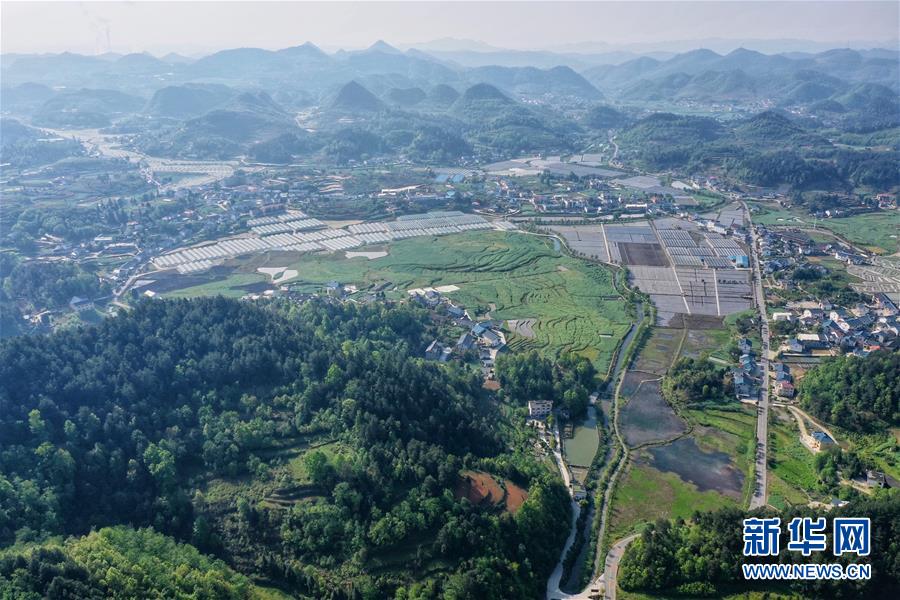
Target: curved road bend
point(611, 570)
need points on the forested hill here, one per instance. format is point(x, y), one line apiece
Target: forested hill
point(141, 420)
point(860, 394)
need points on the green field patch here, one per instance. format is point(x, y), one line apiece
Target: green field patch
point(658, 353)
point(789, 459)
point(877, 231)
point(574, 303)
point(333, 451)
point(714, 342)
point(647, 494)
point(232, 286)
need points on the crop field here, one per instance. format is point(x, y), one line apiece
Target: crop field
point(882, 275)
point(231, 286)
point(715, 342)
point(635, 253)
point(659, 352)
point(573, 303)
point(588, 239)
point(878, 232)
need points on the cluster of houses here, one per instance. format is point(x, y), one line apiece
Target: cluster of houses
point(484, 337)
point(746, 375)
point(788, 248)
point(826, 328)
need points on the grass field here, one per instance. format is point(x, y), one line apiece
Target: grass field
point(715, 342)
point(574, 302)
point(876, 231)
point(791, 463)
point(230, 287)
point(646, 494)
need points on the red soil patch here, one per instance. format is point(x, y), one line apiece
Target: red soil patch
point(480, 487)
point(491, 384)
point(515, 496)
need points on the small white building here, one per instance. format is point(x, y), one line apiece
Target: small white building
point(539, 409)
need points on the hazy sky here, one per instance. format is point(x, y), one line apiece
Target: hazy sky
point(194, 27)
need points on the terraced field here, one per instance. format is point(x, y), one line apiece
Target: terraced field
point(573, 303)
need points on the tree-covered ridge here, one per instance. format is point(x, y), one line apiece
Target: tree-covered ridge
point(861, 394)
point(766, 149)
point(703, 556)
point(129, 420)
point(119, 562)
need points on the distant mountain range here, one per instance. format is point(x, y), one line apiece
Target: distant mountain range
point(698, 74)
point(741, 73)
point(422, 104)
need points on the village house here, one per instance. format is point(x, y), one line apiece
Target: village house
point(875, 479)
point(434, 351)
point(466, 342)
point(784, 389)
point(821, 440)
point(539, 409)
point(79, 304)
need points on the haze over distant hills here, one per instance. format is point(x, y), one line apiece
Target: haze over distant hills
point(448, 99)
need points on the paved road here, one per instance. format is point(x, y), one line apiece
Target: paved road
point(555, 580)
point(592, 590)
point(611, 571)
point(760, 492)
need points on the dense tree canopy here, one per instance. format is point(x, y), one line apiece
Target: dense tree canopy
point(529, 376)
point(862, 394)
point(692, 381)
point(703, 557)
point(129, 420)
point(119, 563)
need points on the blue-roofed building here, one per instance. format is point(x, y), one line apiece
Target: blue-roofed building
point(821, 440)
point(740, 260)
